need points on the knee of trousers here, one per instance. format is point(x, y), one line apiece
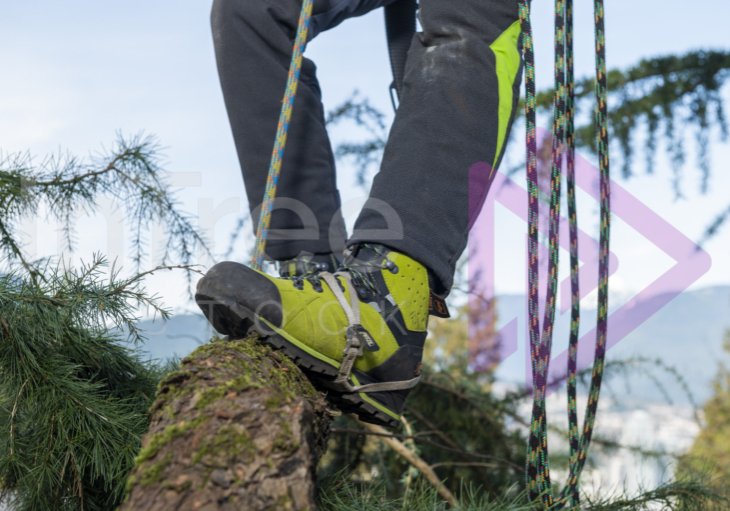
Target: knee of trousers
point(460, 22)
point(230, 19)
point(222, 15)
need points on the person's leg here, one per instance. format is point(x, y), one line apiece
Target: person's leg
point(459, 97)
point(253, 44)
point(360, 332)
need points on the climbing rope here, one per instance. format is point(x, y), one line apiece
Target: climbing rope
point(601, 333)
point(538, 470)
point(573, 223)
point(281, 133)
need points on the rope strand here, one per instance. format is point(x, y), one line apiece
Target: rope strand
point(574, 272)
point(541, 486)
point(533, 452)
point(281, 133)
point(605, 230)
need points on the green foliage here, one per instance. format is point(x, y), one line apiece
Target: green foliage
point(670, 92)
point(714, 227)
point(710, 452)
point(74, 398)
point(74, 395)
point(339, 494)
point(130, 173)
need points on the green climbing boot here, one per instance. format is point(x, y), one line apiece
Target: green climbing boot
point(358, 332)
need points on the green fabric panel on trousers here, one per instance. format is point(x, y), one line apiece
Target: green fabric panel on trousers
point(507, 58)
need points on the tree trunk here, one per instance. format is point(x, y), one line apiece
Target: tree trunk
point(238, 426)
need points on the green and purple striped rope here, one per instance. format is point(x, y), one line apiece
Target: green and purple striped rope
point(536, 461)
point(534, 453)
point(281, 133)
point(538, 475)
point(574, 272)
point(605, 230)
point(540, 487)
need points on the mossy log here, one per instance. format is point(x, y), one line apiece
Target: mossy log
point(238, 426)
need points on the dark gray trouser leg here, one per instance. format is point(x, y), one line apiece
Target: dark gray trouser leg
point(448, 120)
point(253, 45)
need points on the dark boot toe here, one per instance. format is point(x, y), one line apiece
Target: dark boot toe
point(232, 296)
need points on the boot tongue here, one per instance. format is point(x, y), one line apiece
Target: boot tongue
point(308, 263)
point(363, 261)
point(360, 255)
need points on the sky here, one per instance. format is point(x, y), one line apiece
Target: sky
point(77, 72)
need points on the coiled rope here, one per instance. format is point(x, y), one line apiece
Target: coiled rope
point(281, 133)
point(538, 470)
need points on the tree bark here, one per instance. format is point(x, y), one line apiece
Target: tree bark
point(238, 426)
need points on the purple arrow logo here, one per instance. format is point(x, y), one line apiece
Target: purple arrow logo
point(487, 347)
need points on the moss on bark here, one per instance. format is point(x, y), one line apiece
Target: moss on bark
point(238, 426)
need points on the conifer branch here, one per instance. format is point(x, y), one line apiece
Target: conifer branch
point(416, 438)
point(413, 459)
point(464, 464)
point(130, 173)
point(79, 396)
point(12, 416)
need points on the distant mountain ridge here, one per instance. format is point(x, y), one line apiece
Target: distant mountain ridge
point(686, 334)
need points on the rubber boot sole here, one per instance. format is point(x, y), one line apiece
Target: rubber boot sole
point(229, 317)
